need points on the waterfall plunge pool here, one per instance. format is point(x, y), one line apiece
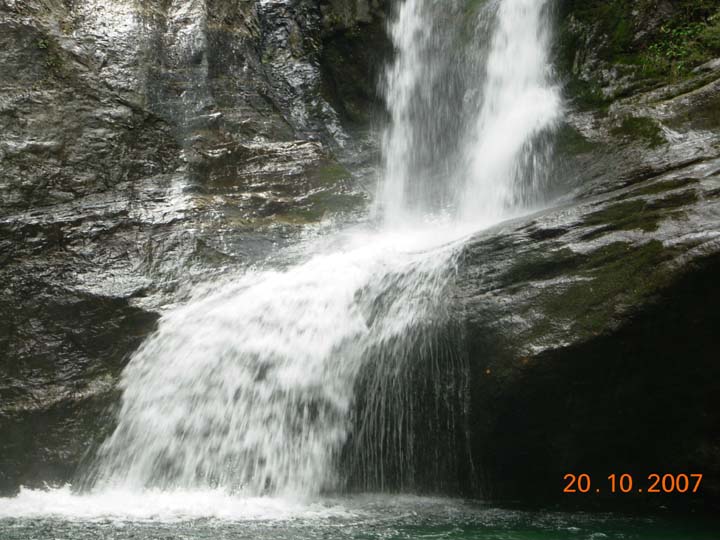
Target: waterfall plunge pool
point(213, 515)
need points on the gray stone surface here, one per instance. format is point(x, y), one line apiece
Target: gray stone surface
point(144, 145)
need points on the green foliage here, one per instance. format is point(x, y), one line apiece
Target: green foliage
point(628, 36)
point(689, 39)
point(676, 50)
point(695, 10)
point(52, 54)
point(677, 42)
point(710, 35)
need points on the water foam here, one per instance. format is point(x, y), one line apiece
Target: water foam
point(163, 506)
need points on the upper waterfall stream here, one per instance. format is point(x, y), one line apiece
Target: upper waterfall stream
point(250, 386)
point(469, 109)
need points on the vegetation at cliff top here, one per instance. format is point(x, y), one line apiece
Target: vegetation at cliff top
point(639, 34)
point(681, 47)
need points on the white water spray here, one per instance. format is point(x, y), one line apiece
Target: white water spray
point(505, 158)
point(468, 114)
point(405, 77)
point(250, 387)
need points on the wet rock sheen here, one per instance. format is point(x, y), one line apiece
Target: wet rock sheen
point(145, 145)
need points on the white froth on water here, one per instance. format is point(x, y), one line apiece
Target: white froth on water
point(163, 506)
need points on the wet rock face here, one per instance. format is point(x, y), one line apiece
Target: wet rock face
point(590, 327)
point(145, 145)
point(352, 69)
point(61, 130)
point(142, 145)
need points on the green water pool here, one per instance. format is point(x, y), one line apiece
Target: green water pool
point(63, 516)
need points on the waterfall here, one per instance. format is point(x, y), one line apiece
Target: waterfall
point(252, 386)
point(249, 386)
point(468, 113)
point(505, 154)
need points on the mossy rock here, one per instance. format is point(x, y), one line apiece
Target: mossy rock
point(614, 275)
point(330, 173)
point(351, 61)
point(637, 44)
point(657, 188)
point(643, 129)
point(319, 206)
point(638, 214)
point(539, 267)
point(570, 142)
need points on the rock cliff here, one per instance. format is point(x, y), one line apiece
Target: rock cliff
point(145, 146)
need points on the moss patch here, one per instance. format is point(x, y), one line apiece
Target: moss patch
point(621, 216)
point(637, 214)
point(319, 205)
point(569, 141)
point(661, 187)
point(329, 174)
point(617, 274)
point(640, 128)
point(541, 267)
point(603, 281)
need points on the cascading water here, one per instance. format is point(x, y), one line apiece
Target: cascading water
point(469, 114)
point(251, 386)
point(424, 89)
point(505, 154)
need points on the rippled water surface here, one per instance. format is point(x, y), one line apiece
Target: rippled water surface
point(194, 516)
